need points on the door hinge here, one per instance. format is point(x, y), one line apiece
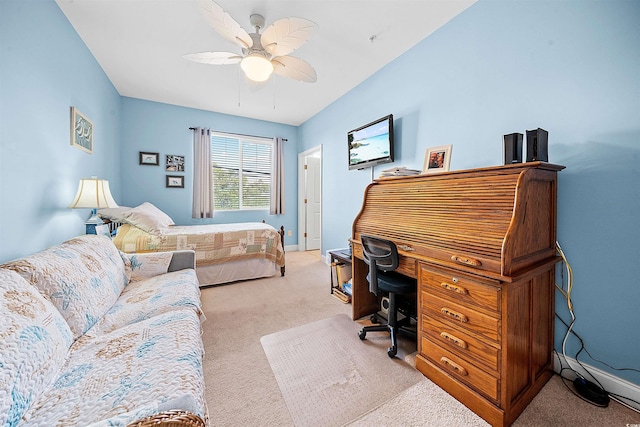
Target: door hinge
point(305, 234)
point(305, 201)
point(306, 167)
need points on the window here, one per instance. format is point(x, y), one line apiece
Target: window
point(241, 168)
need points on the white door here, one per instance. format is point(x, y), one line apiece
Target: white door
point(313, 205)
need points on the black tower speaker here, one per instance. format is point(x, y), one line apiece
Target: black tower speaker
point(512, 148)
point(537, 145)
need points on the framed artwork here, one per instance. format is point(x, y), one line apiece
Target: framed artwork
point(175, 163)
point(151, 159)
point(174, 181)
point(437, 159)
point(81, 131)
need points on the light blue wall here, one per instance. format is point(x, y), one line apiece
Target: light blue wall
point(162, 128)
point(45, 68)
point(570, 67)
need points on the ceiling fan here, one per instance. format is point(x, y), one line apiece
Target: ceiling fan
point(262, 54)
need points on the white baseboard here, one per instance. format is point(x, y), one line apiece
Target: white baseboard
point(291, 248)
point(611, 383)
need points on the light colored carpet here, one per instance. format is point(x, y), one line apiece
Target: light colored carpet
point(424, 404)
point(328, 376)
point(241, 389)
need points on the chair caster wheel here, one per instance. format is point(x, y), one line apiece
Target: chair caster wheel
point(362, 334)
point(392, 352)
point(374, 319)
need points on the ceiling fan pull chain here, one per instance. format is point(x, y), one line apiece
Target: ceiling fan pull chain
point(239, 71)
point(274, 92)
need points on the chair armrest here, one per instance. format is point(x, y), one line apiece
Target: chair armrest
point(182, 260)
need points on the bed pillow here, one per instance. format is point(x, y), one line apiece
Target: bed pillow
point(148, 218)
point(113, 214)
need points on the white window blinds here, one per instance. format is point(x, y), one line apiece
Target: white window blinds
point(241, 168)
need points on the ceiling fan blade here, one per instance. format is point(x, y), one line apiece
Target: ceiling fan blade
point(294, 68)
point(286, 35)
point(214, 58)
point(224, 24)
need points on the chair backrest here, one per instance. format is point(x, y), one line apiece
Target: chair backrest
point(378, 254)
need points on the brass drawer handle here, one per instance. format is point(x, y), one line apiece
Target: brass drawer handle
point(466, 260)
point(454, 314)
point(453, 339)
point(453, 366)
point(454, 288)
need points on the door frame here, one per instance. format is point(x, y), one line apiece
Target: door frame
point(302, 191)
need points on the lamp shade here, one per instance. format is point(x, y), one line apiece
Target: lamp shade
point(93, 193)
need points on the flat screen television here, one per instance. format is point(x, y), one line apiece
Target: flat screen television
point(371, 144)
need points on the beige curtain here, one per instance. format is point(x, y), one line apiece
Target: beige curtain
point(202, 180)
point(277, 178)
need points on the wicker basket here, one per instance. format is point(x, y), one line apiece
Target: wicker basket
point(173, 418)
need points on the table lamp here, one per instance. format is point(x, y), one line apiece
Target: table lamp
point(93, 193)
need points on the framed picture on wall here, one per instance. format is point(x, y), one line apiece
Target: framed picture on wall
point(174, 181)
point(437, 159)
point(151, 159)
point(175, 163)
point(81, 131)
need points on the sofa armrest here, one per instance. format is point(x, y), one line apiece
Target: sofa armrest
point(182, 260)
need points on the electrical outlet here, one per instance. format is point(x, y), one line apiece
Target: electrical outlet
point(289, 233)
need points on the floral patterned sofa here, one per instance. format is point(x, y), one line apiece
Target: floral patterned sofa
point(90, 336)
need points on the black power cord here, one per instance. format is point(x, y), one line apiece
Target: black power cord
point(591, 392)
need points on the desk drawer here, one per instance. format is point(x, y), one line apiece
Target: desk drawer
point(407, 266)
point(461, 369)
point(462, 288)
point(455, 340)
point(459, 315)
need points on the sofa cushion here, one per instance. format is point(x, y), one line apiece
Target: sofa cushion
point(144, 299)
point(34, 340)
point(82, 277)
point(132, 372)
point(146, 265)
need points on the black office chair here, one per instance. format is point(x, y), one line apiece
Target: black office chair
point(382, 258)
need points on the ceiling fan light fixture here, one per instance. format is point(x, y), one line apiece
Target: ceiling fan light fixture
point(256, 67)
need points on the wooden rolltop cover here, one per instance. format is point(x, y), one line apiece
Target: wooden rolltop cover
point(496, 220)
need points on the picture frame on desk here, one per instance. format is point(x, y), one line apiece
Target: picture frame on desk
point(103, 230)
point(437, 159)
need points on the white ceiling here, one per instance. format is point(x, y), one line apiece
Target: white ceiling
point(140, 43)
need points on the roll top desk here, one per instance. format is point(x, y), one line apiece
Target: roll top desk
point(482, 244)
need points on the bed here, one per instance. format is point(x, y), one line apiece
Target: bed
point(224, 252)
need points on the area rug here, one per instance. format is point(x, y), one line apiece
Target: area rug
point(329, 377)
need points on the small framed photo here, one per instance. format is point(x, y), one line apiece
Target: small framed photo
point(175, 163)
point(103, 230)
point(174, 181)
point(81, 131)
point(437, 159)
point(151, 159)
